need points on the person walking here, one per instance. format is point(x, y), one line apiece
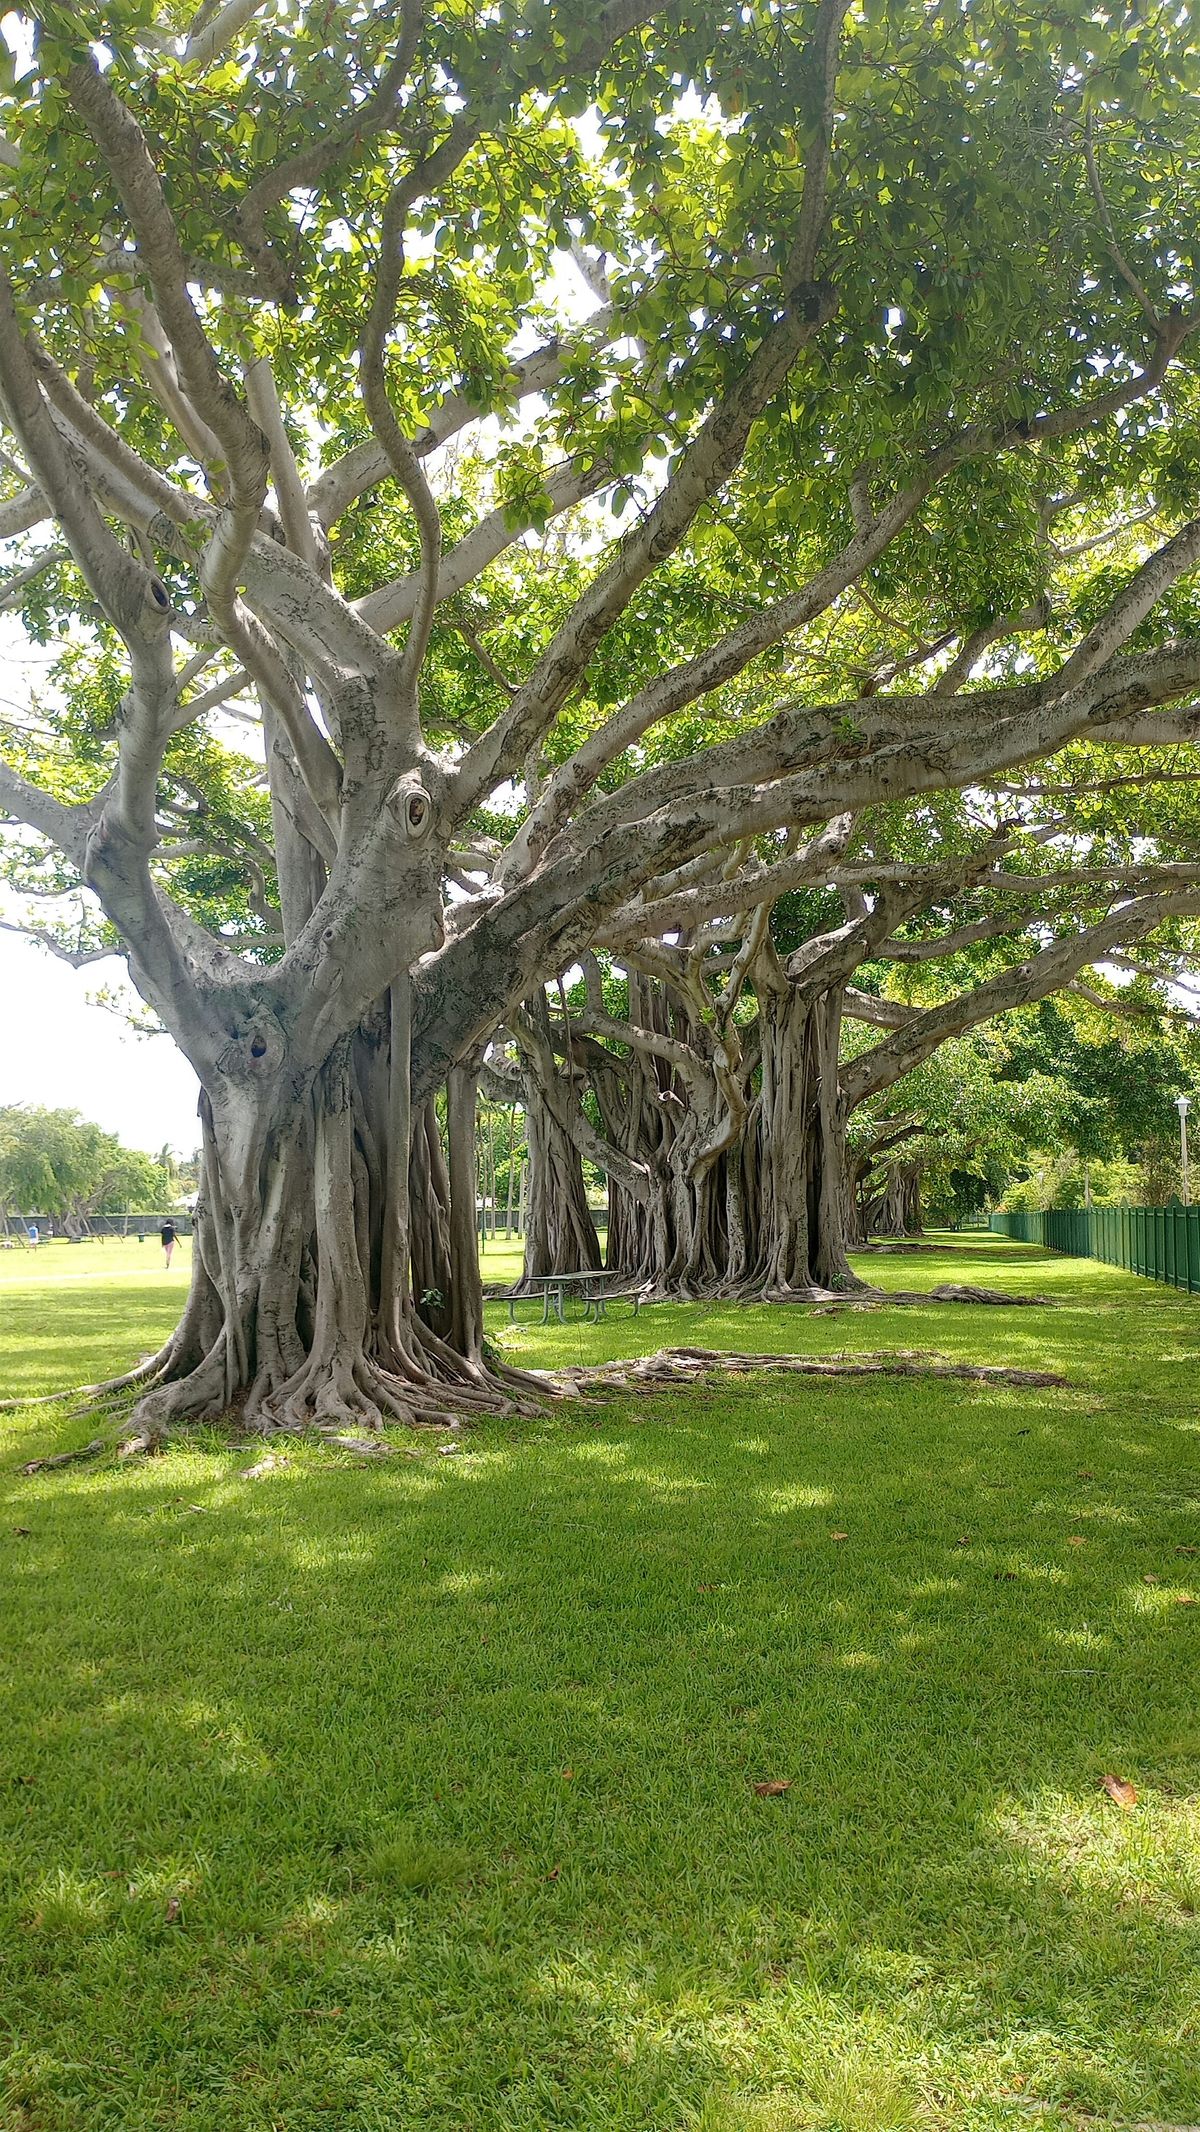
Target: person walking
point(166, 1236)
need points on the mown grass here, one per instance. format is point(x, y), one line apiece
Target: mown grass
point(448, 1762)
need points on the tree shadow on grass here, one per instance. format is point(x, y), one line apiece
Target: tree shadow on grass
point(450, 1768)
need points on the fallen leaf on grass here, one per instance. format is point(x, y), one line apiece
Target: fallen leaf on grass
point(774, 1788)
point(963, 1540)
point(1184, 1599)
point(1119, 1789)
point(174, 1907)
point(1150, 1578)
point(1076, 1539)
point(554, 1873)
point(839, 1536)
point(23, 1532)
point(1182, 1549)
point(568, 1775)
point(1085, 1474)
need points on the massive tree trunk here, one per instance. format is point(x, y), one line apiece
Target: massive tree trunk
point(890, 1201)
point(793, 1204)
point(767, 1214)
point(667, 1219)
point(560, 1234)
point(335, 1272)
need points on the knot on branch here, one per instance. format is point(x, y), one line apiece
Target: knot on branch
point(255, 1051)
point(815, 302)
point(411, 809)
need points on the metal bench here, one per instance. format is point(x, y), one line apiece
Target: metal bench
point(591, 1285)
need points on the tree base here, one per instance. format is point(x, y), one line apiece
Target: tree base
point(422, 1384)
point(338, 1422)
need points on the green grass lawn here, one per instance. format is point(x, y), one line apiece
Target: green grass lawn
point(420, 1794)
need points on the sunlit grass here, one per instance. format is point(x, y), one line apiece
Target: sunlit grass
point(421, 1794)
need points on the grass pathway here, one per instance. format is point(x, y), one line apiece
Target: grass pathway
point(422, 1794)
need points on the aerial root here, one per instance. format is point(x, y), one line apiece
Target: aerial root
point(691, 1365)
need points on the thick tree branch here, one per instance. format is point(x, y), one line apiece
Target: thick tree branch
point(306, 168)
point(391, 605)
point(1047, 971)
point(366, 465)
point(123, 145)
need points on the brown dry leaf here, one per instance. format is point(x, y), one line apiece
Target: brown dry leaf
point(774, 1788)
point(1076, 1539)
point(1119, 1789)
point(839, 1536)
point(1085, 1474)
point(23, 1532)
point(174, 1908)
point(567, 1775)
point(1184, 1599)
point(554, 1873)
point(1150, 1578)
point(1183, 1549)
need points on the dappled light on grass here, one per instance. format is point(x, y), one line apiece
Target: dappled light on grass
point(450, 1764)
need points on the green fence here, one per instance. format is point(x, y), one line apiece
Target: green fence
point(1163, 1243)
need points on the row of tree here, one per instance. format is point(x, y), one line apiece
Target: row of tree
point(55, 1162)
point(697, 506)
point(758, 1087)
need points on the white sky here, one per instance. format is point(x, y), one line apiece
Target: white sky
point(58, 1050)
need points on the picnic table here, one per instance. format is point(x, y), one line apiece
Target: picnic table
point(556, 1287)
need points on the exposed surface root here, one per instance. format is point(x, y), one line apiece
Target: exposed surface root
point(949, 1292)
point(66, 1458)
point(689, 1365)
point(92, 1392)
point(967, 1292)
point(346, 1394)
point(855, 1295)
point(347, 1420)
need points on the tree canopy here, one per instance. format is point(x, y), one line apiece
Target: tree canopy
point(56, 1162)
